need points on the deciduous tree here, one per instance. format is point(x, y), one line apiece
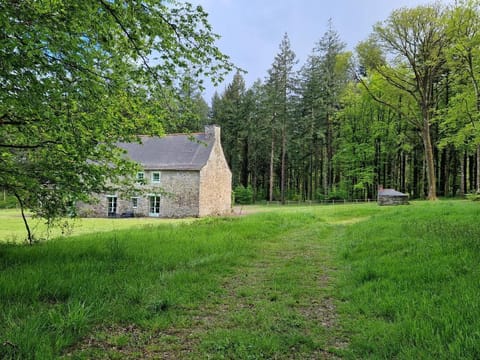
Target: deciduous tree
point(79, 76)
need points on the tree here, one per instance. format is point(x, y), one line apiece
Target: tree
point(415, 40)
point(192, 110)
point(281, 87)
point(463, 25)
point(78, 77)
point(228, 112)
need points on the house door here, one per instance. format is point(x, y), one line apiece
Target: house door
point(112, 206)
point(154, 206)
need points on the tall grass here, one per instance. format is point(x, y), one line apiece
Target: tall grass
point(358, 281)
point(412, 286)
point(56, 292)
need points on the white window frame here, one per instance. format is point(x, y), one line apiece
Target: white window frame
point(156, 181)
point(112, 204)
point(140, 177)
point(134, 202)
point(154, 208)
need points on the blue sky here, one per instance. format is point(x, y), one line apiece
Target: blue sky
point(251, 30)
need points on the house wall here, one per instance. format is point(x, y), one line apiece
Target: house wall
point(392, 200)
point(178, 191)
point(215, 181)
point(181, 193)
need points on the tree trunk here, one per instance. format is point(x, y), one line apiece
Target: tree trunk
point(282, 170)
point(272, 158)
point(478, 169)
point(245, 164)
point(430, 164)
point(27, 227)
point(463, 171)
point(446, 172)
point(330, 177)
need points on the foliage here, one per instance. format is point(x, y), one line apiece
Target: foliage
point(415, 39)
point(402, 112)
point(8, 202)
point(473, 196)
point(78, 77)
point(243, 195)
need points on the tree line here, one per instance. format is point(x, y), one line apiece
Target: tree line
point(401, 111)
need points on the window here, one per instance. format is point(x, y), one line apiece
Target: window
point(154, 205)
point(156, 177)
point(140, 177)
point(134, 202)
point(112, 205)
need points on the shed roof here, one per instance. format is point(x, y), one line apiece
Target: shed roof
point(171, 152)
point(390, 192)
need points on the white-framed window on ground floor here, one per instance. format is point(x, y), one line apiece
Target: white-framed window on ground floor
point(134, 202)
point(112, 205)
point(154, 205)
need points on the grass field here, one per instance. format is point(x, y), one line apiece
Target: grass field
point(12, 228)
point(349, 281)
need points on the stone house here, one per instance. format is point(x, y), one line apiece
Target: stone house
point(190, 172)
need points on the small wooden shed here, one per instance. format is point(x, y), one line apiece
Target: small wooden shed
point(391, 197)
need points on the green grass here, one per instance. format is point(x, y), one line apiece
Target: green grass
point(12, 228)
point(351, 281)
point(411, 286)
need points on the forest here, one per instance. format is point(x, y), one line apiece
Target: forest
point(401, 111)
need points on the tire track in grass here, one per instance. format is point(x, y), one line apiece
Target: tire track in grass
point(277, 306)
point(286, 294)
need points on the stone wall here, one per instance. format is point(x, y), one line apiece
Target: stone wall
point(178, 191)
point(215, 181)
point(392, 200)
point(181, 194)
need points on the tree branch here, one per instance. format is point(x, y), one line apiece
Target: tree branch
point(383, 102)
point(129, 37)
point(23, 146)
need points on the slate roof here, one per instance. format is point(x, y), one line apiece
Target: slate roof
point(171, 152)
point(390, 192)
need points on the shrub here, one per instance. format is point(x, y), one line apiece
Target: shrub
point(473, 196)
point(338, 194)
point(243, 195)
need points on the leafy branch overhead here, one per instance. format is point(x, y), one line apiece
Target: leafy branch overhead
point(77, 77)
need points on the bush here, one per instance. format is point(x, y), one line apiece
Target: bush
point(338, 194)
point(335, 194)
point(473, 196)
point(243, 195)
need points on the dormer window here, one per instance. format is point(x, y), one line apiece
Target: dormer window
point(156, 177)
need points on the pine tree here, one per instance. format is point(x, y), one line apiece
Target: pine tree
point(281, 88)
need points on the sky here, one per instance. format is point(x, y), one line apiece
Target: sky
point(251, 30)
